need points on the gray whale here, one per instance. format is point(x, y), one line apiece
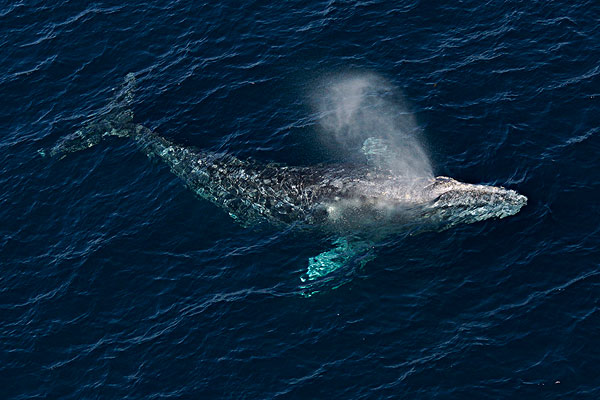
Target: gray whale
point(359, 203)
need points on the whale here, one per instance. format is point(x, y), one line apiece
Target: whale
point(359, 204)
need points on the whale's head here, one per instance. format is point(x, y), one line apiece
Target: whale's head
point(452, 202)
point(391, 203)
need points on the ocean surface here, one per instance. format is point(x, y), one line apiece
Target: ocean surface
point(117, 282)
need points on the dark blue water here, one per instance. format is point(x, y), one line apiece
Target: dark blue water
point(116, 282)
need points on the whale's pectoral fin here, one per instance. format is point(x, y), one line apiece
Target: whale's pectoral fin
point(345, 253)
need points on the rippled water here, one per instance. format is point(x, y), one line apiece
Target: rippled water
point(117, 282)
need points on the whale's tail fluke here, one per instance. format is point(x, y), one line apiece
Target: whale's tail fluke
point(116, 119)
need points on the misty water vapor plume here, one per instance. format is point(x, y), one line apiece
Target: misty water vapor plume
point(363, 113)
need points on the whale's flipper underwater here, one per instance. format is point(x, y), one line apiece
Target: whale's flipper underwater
point(358, 204)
